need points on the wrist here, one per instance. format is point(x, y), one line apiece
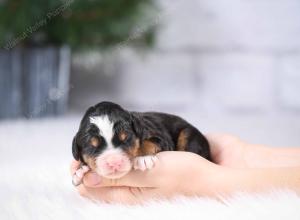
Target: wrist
point(256, 156)
point(259, 180)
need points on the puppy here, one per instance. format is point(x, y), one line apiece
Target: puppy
point(111, 140)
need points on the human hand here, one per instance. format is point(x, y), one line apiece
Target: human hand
point(186, 173)
point(230, 151)
point(175, 173)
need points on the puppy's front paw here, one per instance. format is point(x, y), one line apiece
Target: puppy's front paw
point(78, 175)
point(144, 162)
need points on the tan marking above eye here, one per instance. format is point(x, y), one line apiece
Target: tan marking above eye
point(122, 136)
point(95, 142)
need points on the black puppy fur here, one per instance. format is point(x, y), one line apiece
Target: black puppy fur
point(144, 133)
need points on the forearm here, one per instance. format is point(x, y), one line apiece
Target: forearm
point(259, 156)
point(230, 151)
point(258, 180)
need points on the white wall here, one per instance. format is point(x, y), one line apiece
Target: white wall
point(233, 56)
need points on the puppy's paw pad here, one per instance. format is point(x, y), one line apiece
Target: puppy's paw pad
point(144, 162)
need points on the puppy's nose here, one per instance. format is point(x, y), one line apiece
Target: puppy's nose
point(114, 162)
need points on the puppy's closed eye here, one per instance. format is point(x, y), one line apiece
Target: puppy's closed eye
point(95, 142)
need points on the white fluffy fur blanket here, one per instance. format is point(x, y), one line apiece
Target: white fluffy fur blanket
point(35, 184)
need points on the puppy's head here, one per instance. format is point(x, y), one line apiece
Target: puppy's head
point(107, 140)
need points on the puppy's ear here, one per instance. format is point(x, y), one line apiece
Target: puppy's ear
point(75, 149)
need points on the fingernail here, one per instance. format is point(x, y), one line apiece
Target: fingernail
point(94, 179)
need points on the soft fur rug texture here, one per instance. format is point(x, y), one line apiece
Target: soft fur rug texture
point(35, 184)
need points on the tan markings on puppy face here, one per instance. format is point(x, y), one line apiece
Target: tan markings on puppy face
point(95, 142)
point(122, 136)
point(90, 161)
point(134, 151)
point(182, 141)
point(149, 148)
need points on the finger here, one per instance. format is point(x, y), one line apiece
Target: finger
point(135, 178)
point(123, 195)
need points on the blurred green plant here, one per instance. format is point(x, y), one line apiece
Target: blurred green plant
point(78, 23)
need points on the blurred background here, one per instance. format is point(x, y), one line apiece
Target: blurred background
point(225, 66)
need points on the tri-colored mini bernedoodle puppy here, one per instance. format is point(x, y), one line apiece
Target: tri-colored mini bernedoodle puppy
point(111, 140)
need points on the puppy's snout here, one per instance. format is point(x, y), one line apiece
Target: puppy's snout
point(114, 162)
point(113, 165)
